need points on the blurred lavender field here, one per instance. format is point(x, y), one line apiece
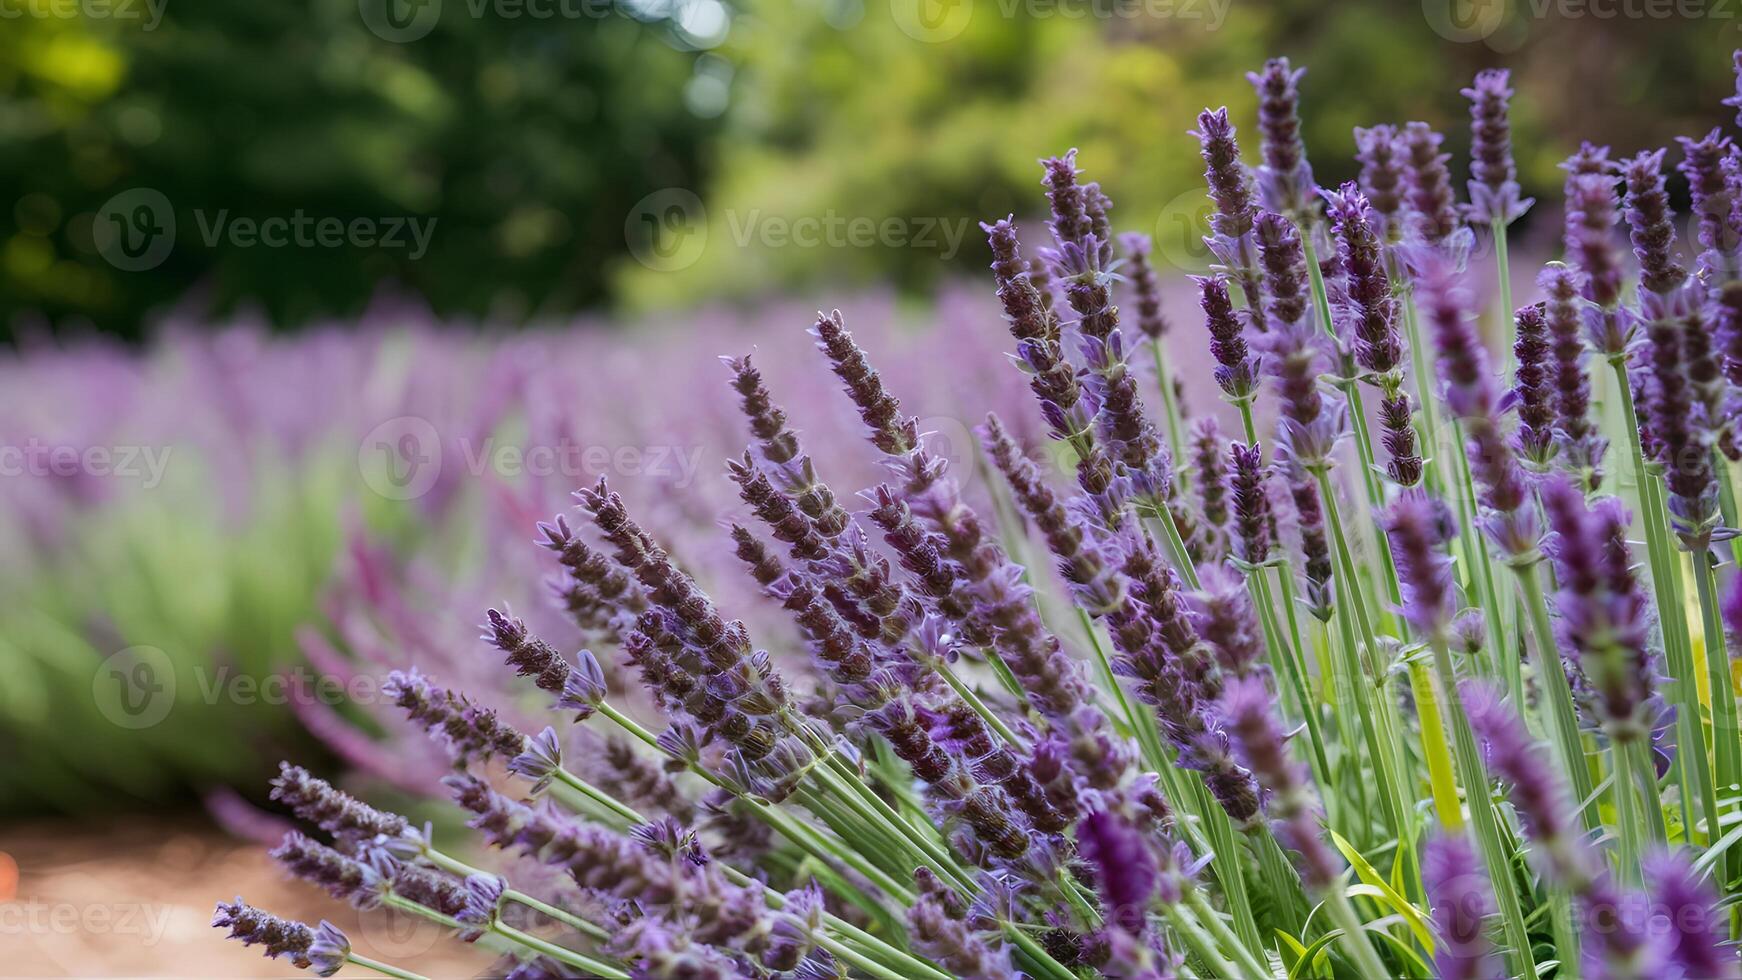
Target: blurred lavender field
point(210, 545)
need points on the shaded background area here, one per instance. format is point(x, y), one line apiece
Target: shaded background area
point(242, 482)
point(532, 132)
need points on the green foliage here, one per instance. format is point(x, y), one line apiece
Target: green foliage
point(522, 139)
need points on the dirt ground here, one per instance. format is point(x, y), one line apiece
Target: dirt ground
point(135, 900)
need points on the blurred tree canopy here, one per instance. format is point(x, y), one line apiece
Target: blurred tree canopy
point(574, 153)
point(521, 137)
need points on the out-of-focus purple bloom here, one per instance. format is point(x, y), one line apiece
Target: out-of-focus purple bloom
point(343, 877)
point(1381, 154)
point(1695, 941)
point(1434, 216)
point(471, 733)
point(1494, 193)
point(941, 930)
point(1604, 612)
point(1462, 898)
point(1735, 101)
point(1682, 430)
point(1418, 526)
point(1210, 480)
point(1261, 745)
point(1537, 790)
point(1310, 424)
point(1125, 870)
point(1227, 620)
point(1144, 285)
point(1590, 242)
point(340, 814)
point(1472, 397)
point(1709, 191)
point(1285, 179)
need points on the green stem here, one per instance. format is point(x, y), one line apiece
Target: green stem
point(1355, 941)
point(1286, 663)
point(1550, 673)
point(1509, 325)
point(1249, 961)
point(1200, 942)
point(1169, 404)
point(598, 796)
point(973, 701)
point(1726, 749)
point(382, 968)
point(1626, 811)
point(559, 953)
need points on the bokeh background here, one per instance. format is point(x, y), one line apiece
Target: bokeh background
point(309, 310)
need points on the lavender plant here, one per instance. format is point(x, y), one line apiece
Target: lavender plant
point(929, 755)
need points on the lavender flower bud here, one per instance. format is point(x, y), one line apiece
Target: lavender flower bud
point(1681, 427)
point(337, 813)
point(1696, 940)
point(344, 878)
point(940, 932)
point(1253, 521)
point(1651, 224)
point(1531, 391)
point(1230, 184)
point(329, 951)
point(1710, 201)
point(1417, 526)
point(1494, 194)
point(1144, 285)
point(1581, 443)
point(541, 760)
point(1462, 898)
point(470, 733)
point(1315, 549)
point(1285, 179)
point(1236, 367)
point(1590, 226)
point(281, 937)
point(1211, 480)
point(483, 902)
point(585, 688)
point(1433, 215)
point(1381, 154)
point(879, 410)
point(1071, 222)
point(527, 654)
point(1735, 101)
point(1371, 313)
point(1261, 745)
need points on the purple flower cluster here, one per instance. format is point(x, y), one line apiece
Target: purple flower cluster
point(1494, 193)
point(1285, 179)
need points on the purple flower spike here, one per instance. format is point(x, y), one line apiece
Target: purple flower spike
point(1144, 286)
point(1236, 367)
point(1494, 194)
point(1604, 611)
point(1261, 745)
point(483, 902)
point(1417, 526)
point(1285, 180)
point(1462, 898)
point(1532, 394)
point(1695, 941)
point(1472, 397)
point(585, 689)
point(1435, 218)
point(1710, 200)
point(1254, 536)
point(1581, 443)
point(1226, 618)
point(1383, 175)
point(1651, 226)
point(337, 813)
point(1230, 183)
point(281, 937)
